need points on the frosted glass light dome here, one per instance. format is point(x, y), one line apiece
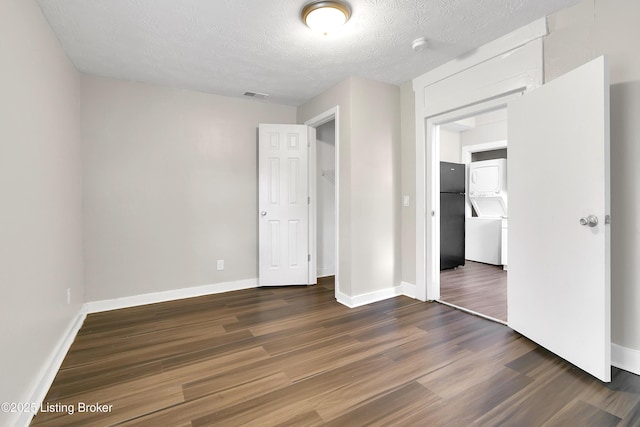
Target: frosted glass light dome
point(325, 16)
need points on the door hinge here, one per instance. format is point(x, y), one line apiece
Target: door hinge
point(309, 258)
point(309, 200)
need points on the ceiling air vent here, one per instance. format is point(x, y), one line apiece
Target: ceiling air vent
point(256, 95)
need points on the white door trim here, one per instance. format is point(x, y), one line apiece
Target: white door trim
point(312, 269)
point(506, 43)
point(471, 87)
point(468, 150)
point(431, 185)
point(320, 119)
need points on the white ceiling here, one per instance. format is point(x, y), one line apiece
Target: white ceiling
point(228, 47)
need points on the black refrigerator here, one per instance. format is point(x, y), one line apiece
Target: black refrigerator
point(452, 200)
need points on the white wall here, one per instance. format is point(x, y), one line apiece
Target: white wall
point(326, 194)
point(170, 186)
point(481, 129)
point(40, 184)
point(490, 127)
point(408, 182)
point(449, 146)
point(579, 34)
point(375, 186)
point(369, 169)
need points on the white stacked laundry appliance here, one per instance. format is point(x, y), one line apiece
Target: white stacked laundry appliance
point(486, 233)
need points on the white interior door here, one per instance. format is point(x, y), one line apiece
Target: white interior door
point(283, 205)
point(559, 262)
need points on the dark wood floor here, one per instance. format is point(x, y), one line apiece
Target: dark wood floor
point(295, 357)
point(478, 287)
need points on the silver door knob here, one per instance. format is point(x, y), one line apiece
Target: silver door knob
point(263, 213)
point(590, 221)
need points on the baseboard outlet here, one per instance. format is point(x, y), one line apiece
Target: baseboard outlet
point(625, 358)
point(408, 289)
point(368, 298)
point(51, 366)
point(156, 297)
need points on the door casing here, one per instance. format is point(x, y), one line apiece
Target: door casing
point(432, 125)
point(322, 118)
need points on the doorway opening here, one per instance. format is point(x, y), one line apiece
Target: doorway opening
point(324, 206)
point(473, 212)
point(325, 201)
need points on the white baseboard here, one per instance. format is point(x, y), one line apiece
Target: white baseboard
point(408, 289)
point(196, 291)
point(343, 299)
point(52, 365)
point(625, 358)
point(368, 298)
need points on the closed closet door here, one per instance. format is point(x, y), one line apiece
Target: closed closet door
point(283, 205)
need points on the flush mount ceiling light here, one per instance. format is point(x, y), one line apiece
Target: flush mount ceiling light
point(325, 16)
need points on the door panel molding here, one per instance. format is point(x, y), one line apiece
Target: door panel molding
point(283, 208)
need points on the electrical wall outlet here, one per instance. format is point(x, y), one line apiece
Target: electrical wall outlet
point(220, 264)
point(68, 296)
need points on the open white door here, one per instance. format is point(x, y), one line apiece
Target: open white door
point(559, 261)
point(283, 205)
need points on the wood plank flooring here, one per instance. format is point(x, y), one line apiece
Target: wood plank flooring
point(295, 357)
point(478, 287)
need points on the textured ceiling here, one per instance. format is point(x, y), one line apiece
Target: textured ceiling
point(228, 47)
